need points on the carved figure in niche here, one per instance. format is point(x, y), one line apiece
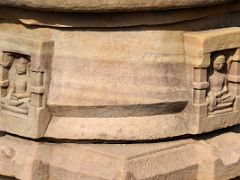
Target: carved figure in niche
point(219, 97)
point(18, 94)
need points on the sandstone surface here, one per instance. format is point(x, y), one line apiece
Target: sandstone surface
point(119, 90)
point(211, 157)
point(105, 5)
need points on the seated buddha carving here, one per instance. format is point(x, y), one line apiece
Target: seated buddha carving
point(219, 97)
point(18, 94)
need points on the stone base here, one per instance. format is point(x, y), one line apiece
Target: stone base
point(208, 157)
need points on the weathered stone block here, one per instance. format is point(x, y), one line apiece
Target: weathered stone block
point(206, 157)
point(143, 87)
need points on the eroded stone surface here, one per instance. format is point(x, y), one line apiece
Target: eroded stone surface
point(208, 157)
point(133, 82)
point(105, 5)
point(120, 19)
point(126, 79)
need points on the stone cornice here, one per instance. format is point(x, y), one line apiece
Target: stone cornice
point(106, 5)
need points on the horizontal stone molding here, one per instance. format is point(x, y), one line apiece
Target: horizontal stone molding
point(200, 85)
point(233, 78)
point(137, 110)
point(114, 19)
point(37, 89)
point(205, 157)
point(199, 45)
point(105, 5)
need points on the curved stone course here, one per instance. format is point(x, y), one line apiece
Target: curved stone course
point(207, 157)
point(106, 5)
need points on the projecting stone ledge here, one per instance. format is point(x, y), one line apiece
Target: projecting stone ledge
point(106, 5)
point(209, 157)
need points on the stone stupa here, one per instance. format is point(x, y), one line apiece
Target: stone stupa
point(119, 89)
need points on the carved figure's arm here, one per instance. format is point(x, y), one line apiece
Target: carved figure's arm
point(219, 94)
point(225, 88)
point(11, 90)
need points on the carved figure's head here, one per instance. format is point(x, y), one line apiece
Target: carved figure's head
point(218, 62)
point(22, 65)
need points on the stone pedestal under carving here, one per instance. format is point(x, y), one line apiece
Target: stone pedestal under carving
point(134, 72)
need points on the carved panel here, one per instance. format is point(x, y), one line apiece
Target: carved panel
point(15, 83)
point(20, 86)
point(24, 81)
point(215, 59)
point(220, 99)
point(217, 87)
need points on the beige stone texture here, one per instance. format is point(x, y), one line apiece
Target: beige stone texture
point(119, 90)
point(198, 45)
point(209, 157)
point(120, 19)
point(105, 5)
point(133, 83)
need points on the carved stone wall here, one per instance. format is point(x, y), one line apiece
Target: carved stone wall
point(119, 90)
point(60, 104)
